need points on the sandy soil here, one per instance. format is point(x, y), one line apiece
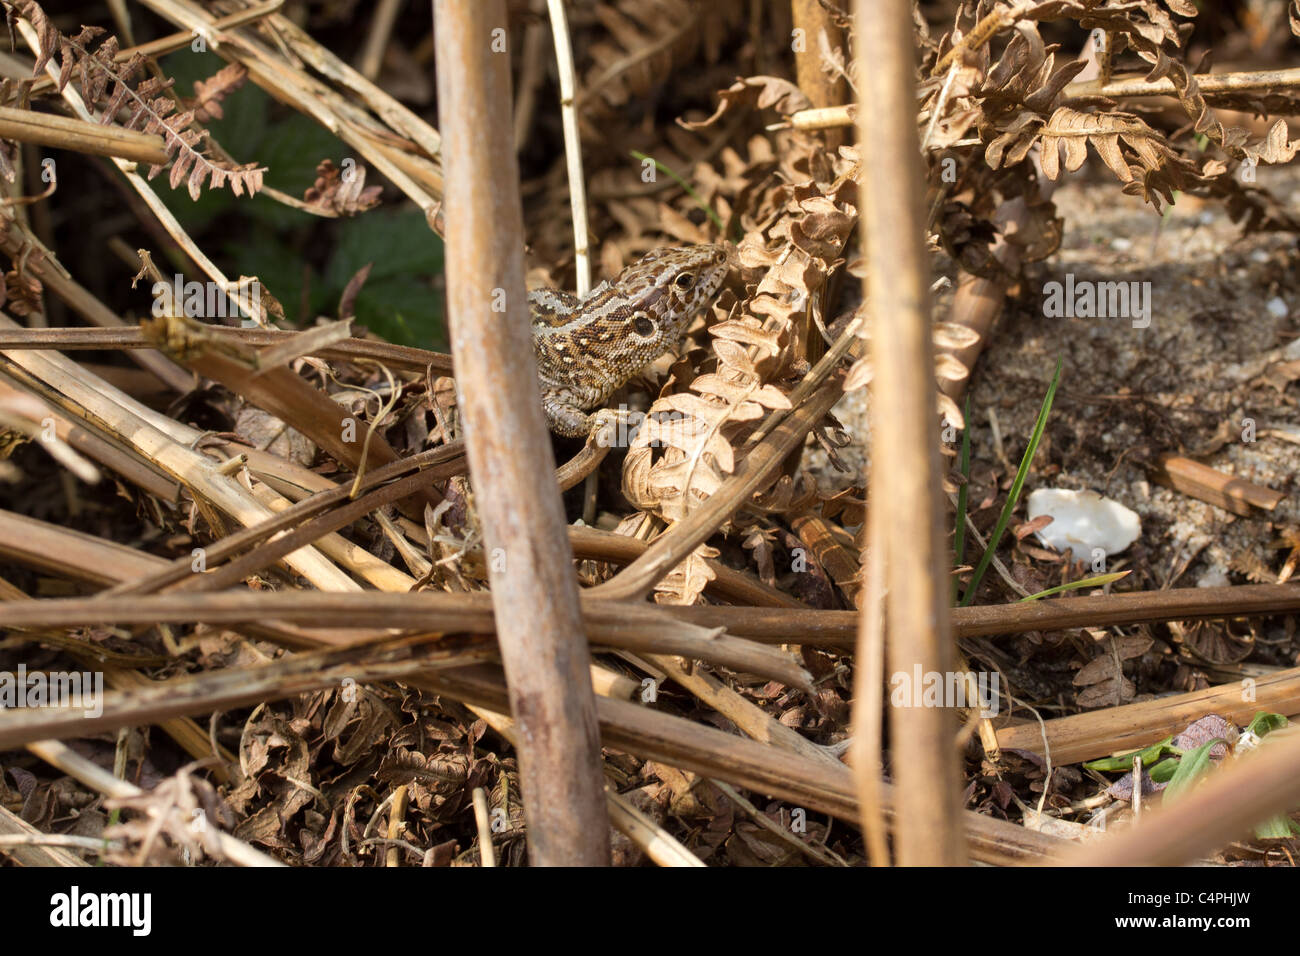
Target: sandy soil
point(1223, 307)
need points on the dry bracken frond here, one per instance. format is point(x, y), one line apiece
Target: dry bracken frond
point(686, 582)
point(122, 97)
point(208, 94)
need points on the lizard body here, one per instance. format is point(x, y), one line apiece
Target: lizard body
point(588, 347)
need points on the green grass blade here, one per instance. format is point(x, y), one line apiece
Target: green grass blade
point(1099, 581)
point(708, 210)
point(1021, 473)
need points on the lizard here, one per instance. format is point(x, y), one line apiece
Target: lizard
point(588, 347)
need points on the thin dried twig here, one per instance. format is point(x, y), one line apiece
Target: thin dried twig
point(572, 143)
point(94, 776)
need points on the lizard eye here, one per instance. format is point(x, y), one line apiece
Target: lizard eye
point(684, 281)
point(642, 325)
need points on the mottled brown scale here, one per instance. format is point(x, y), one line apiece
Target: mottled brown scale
point(588, 348)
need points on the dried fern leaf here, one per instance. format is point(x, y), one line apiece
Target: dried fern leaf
point(686, 583)
point(116, 88)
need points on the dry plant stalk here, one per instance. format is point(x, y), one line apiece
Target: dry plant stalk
point(545, 657)
point(904, 476)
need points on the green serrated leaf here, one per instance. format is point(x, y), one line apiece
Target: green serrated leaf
point(402, 310)
point(395, 243)
point(291, 151)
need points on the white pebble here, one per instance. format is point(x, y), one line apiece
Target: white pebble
point(1214, 578)
point(1084, 522)
point(1277, 308)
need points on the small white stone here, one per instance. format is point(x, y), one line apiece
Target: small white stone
point(1277, 308)
point(1259, 255)
point(1084, 521)
point(1121, 244)
point(1213, 578)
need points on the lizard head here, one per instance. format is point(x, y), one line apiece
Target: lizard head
point(656, 297)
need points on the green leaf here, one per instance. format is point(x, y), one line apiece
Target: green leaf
point(1125, 761)
point(402, 310)
point(279, 267)
point(1164, 771)
point(1191, 768)
point(290, 151)
point(396, 243)
point(398, 301)
point(1264, 721)
point(1276, 828)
